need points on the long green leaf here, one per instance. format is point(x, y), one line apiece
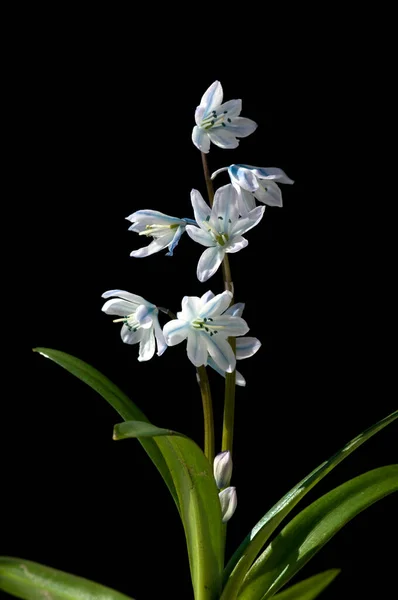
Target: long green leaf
point(118, 400)
point(244, 556)
point(138, 429)
point(311, 529)
point(310, 588)
point(31, 581)
point(199, 502)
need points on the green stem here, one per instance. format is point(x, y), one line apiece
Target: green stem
point(209, 183)
point(229, 407)
point(207, 413)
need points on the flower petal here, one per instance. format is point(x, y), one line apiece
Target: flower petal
point(199, 114)
point(197, 348)
point(133, 298)
point(155, 246)
point(198, 234)
point(201, 139)
point(190, 308)
point(176, 331)
point(147, 345)
point(231, 109)
point(160, 341)
point(129, 336)
point(206, 297)
point(119, 307)
point(245, 178)
point(237, 243)
point(246, 202)
point(153, 217)
point(247, 223)
point(216, 305)
point(176, 239)
point(228, 326)
point(212, 97)
point(239, 378)
point(236, 310)
point(222, 137)
point(269, 193)
point(201, 210)
point(221, 352)
point(209, 262)
point(144, 316)
point(225, 208)
point(242, 127)
point(246, 347)
point(271, 173)
point(228, 501)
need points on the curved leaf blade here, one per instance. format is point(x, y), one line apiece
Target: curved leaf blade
point(135, 429)
point(31, 581)
point(311, 529)
point(118, 400)
point(310, 588)
point(245, 555)
point(199, 502)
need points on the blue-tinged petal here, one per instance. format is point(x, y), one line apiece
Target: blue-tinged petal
point(220, 136)
point(271, 173)
point(246, 223)
point(239, 378)
point(156, 245)
point(209, 262)
point(160, 341)
point(225, 209)
point(175, 332)
point(133, 298)
point(175, 240)
point(221, 352)
point(236, 310)
point(246, 202)
point(199, 235)
point(237, 243)
point(216, 305)
point(242, 127)
point(129, 336)
point(229, 326)
point(269, 193)
point(206, 297)
point(201, 139)
point(144, 316)
point(147, 345)
point(201, 210)
point(230, 109)
point(246, 347)
point(153, 217)
point(190, 308)
point(119, 307)
point(199, 114)
point(197, 348)
point(245, 178)
point(212, 97)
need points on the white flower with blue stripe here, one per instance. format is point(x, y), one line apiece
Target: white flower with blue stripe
point(256, 183)
point(219, 123)
point(140, 322)
point(245, 346)
point(206, 327)
point(220, 228)
point(166, 231)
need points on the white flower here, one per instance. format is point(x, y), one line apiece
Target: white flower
point(222, 469)
point(140, 322)
point(256, 182)
point(220, 228)
point(165, 230)
point(202, 323)
point(228, 501)
point(219, 123)
point(245, 346)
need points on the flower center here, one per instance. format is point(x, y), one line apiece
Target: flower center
point(157, 230)
point(215, 120)
point(220, 237)
point(205, 324)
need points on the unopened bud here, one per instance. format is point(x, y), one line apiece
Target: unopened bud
point(222, 468)
point(228, 501)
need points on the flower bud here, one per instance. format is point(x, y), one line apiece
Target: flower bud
point(222, 468)
point(228, 501)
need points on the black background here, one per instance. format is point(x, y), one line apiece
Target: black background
point(103, 129)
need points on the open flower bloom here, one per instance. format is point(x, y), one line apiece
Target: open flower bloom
point(219, 123)
point(202, 323)
point(256, 183)
point(140, 322)
point(219, 228)
point(165, 231)
point(245, 346)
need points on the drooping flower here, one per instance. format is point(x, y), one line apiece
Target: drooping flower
point(222, 469)
point(165, 230)
point(140, 322)
point(219, 123)
point(228, 501)
point(256, 183)
point(219, 228)
point(202, 323)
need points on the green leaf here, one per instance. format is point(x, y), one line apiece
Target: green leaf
point(118, 400)
point(244, 556)
point(309, 588)
point(199, 502)
point(311, 529)
point(31, 581)
point(135, 429)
